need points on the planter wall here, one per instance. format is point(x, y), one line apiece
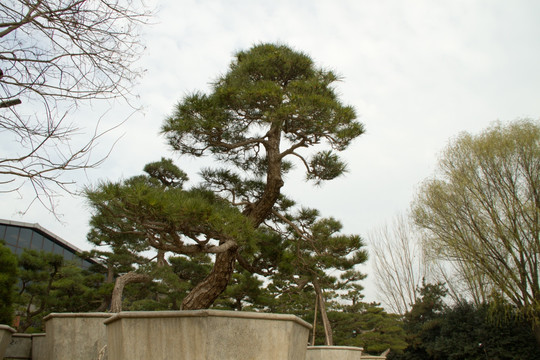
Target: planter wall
point(27, 346)
point(206, 334)
point(5, 338)
point(39, 347)
point(20, 347)
point(78, 336)
point(333, 353)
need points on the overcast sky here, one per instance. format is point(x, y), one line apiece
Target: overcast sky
point(417, 72)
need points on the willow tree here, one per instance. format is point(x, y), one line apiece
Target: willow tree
point(273, 106)
point(482, 210)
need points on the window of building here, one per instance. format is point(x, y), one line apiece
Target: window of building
point(12, 234)
point(25, 237)
point(12, 248)
point(68, 255)
point(37, 242)
point(57, 249)
point(47, 245)
point(2, 231)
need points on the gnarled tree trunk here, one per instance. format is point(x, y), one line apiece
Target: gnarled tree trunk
point(120, 284)
point(206, 292)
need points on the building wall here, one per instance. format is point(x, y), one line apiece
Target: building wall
point(19, 236)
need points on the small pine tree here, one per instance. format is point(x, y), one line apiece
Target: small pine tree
point(8, 280)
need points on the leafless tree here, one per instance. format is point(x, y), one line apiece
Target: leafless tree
point(53, 55)
point(398, 263)
point(401, 261)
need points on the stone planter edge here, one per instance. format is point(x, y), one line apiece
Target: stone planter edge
point(328, 347)
point(77, 315)
point(8, 328)
point(207, 313)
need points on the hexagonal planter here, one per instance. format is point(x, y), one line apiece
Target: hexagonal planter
point(5, 338)
point(206, 334)
point(80, 336)
point(333, 353)
point(20, 347)
point(39, 347)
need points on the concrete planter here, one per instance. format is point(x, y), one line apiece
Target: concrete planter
point(20, 347)
point(39, 347)
point(333, 353)
point(5, 338)
point(79, 336)
point(206, 334)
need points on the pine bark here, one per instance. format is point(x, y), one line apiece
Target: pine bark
point(207, 291)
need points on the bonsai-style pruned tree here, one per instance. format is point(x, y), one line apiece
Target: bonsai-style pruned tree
point(272, 106)
point(154, 214)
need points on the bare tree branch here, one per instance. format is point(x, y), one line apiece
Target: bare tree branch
point(54, 54)
point(398, 263)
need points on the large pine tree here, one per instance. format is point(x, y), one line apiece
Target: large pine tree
point(272, 107)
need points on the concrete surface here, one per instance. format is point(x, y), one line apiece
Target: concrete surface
point(206, 335)
point(20, 347)
point(333, 353)
point(5, 338)
point(72, 336)
point(39, 347)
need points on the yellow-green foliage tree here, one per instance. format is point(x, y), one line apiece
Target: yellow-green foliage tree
point(482, 211)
